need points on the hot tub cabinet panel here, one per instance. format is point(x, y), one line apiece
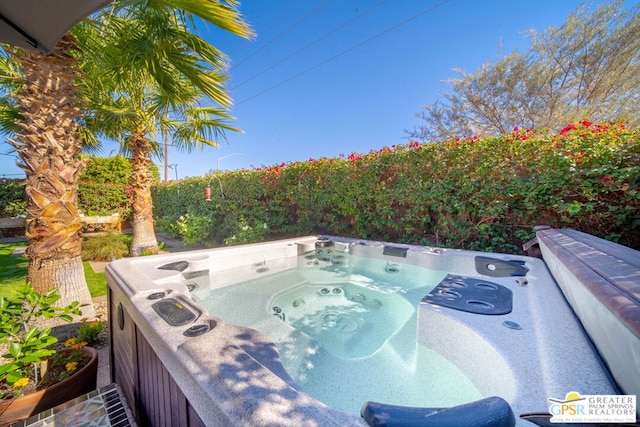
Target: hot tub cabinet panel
point(123, 357)
point(154, 396)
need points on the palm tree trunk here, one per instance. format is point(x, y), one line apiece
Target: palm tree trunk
point(49, 147)
point(144, 237)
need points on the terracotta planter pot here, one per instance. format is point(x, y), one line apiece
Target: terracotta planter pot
point(80, 383)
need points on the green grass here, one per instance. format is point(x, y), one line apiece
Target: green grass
point(95, 281)
point(13, 272)
point(13, 269)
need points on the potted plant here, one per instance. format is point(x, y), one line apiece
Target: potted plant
point(34, 375)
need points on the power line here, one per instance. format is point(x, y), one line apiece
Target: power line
point(395, 27)
point(292, 12)
point(308, 15)
point(310, 44)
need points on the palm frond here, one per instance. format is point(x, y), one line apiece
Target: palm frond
point(90, 143)
point(145, 60)
point(202, 126)
point(223, 14)
point(10, 73)
point(8, 117)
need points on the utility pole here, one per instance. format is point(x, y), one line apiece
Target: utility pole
point(166, 150)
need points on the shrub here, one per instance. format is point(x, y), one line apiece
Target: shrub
point(26, 343)
point(247, 234)
point(168, 225)
point(193, 229)
point(106, 247)
point(89, 332)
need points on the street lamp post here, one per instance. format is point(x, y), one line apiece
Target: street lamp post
point(174, 167)
point(224, 157)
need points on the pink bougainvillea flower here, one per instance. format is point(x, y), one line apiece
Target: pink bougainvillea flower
point(607, 180)
point(567, 128)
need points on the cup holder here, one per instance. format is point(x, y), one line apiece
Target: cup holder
point(156, 295)
point(197, 330)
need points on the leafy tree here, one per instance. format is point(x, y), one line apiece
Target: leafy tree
point(587, 68)
point(107, 170)
point(113, 170)
point(105, 186)
point(151, 63)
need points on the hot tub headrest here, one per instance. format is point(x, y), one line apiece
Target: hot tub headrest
point(489, 412)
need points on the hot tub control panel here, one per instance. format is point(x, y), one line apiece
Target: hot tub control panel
point(173, 312)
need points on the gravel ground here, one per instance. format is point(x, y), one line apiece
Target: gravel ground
point(100, 306)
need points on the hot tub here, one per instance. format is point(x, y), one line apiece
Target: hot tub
point(247, 335)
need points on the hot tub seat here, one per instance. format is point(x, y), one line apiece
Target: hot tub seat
point(601, 281)
point(488, 412)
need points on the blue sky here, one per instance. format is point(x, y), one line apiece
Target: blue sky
point(356, 89)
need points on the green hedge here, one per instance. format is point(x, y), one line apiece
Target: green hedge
point(93, 199)
point(104, 199)
point(104, 189)
point(470, 193)
point(13, 199)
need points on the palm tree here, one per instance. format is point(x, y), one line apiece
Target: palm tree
point(156, 64)
point(44, 103)
point(46, 138)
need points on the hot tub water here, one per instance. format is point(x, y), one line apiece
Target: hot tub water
point(345, 329)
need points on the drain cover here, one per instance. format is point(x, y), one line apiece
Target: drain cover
point(471, 295)
point(511, 324)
